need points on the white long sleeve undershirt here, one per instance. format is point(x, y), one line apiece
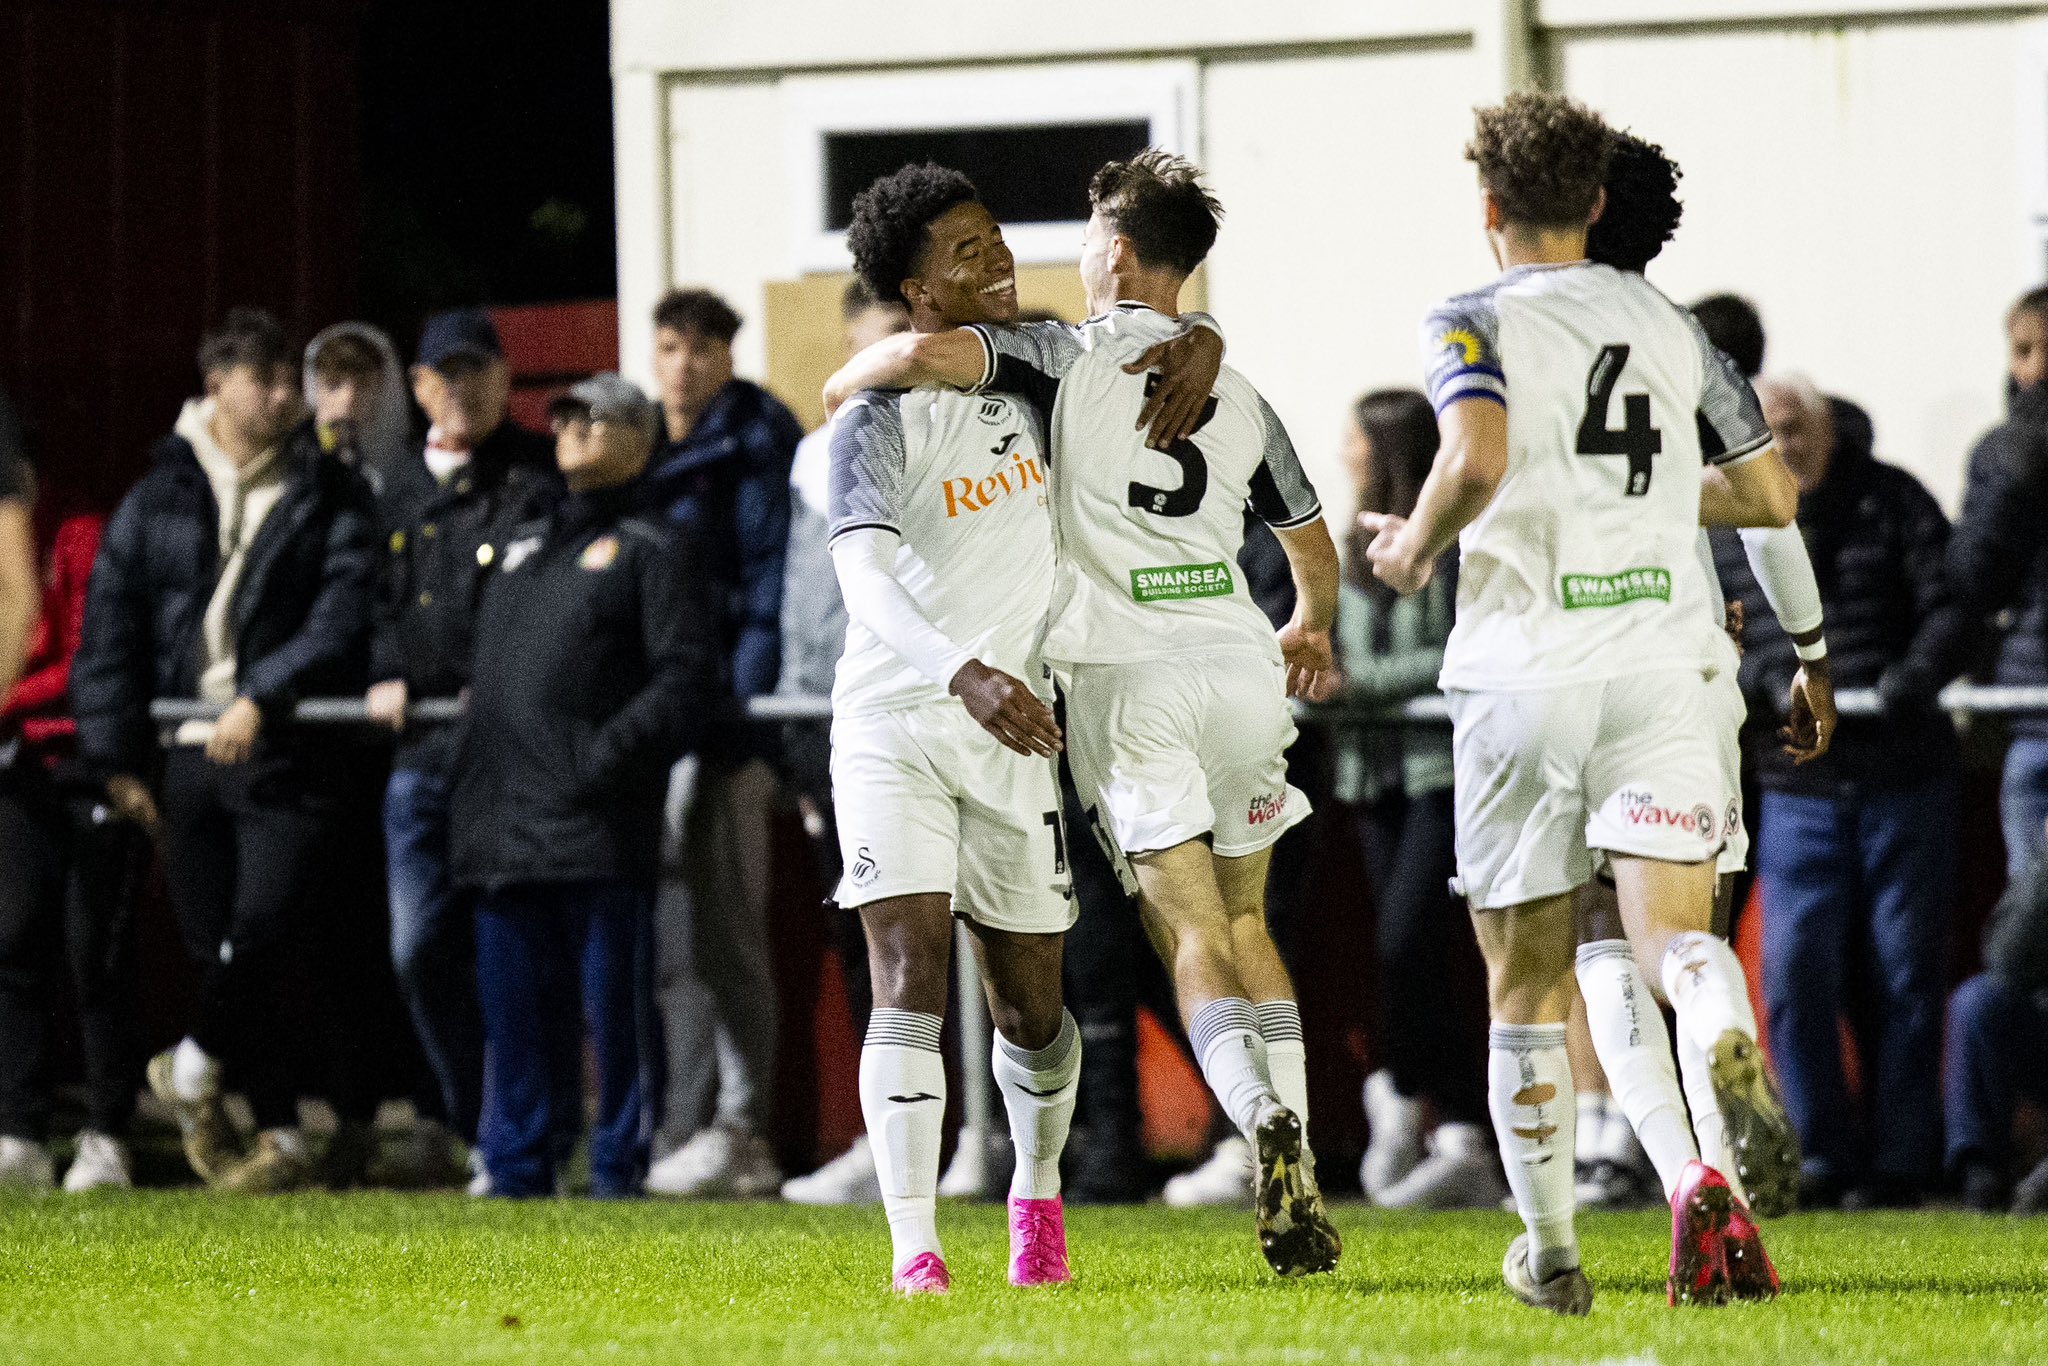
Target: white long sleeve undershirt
point(866, 563)
point(1778, 558)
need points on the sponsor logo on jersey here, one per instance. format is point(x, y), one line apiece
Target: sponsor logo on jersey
point(1640, 808)
point(1021, 475)
point(1612, 590)
point(1466, 342)
point(1174, 582)
point(1266, 808)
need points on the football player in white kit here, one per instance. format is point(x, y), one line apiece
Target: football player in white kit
point(1577, 674)
point(1176, 684)
point(943, 749)
point(1641, 213)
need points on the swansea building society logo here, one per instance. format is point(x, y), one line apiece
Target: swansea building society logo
point(1177, 581)
point(863, 870)
point(1021, 475)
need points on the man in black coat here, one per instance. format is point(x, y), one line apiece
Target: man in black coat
point(1998, 562)
point(238, 572)
point(1856, 850)
point(448, 506)
point(596, 668)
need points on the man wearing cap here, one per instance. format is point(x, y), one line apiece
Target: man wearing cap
point(596, 668)
point(447, 506)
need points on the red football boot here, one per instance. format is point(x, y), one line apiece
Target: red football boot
point(1750, 1273)
point(1700, 1213)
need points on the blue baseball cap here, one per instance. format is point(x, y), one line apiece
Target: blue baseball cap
point(460, 334)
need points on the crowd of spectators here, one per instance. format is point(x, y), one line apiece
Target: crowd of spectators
point(561, 812)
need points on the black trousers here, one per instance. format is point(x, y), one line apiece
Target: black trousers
point(67, 898)
point(1431, 1032)
point(240, 849)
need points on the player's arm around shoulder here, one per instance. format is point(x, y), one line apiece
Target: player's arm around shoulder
point(955, 358)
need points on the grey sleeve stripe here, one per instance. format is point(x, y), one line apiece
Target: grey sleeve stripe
point(867, 464)
point(1727, 402)
point(988, 357)
point(1281, 495)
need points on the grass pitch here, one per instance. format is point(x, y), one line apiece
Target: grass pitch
point(157, 1277)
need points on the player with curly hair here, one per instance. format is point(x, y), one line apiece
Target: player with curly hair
point(1578, 672)
point(944, 743)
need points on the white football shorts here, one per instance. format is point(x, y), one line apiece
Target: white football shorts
point(1550, 778)
point(927, 801)
point(1169, 750)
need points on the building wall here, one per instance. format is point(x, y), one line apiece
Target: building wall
point(1861, 176)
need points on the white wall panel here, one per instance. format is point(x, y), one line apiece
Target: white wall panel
point(729, 212)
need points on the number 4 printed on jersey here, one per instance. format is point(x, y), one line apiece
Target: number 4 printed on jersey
point(1635, 438)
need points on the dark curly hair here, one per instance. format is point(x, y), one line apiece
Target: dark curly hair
point(697, 311)
point(1543, 158)
point(887, 234)
point(1159, 202)
point(1732, 324)
point(1642, 206)
point(247, 336)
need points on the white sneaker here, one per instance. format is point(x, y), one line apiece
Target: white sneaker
point(979, 1162)
point(848, 1179)
point(26, 1166)
point(1394, 1146)
point(1460, 1172)
point(101, 1163)
point(720, 1163)
point(1225, 1179)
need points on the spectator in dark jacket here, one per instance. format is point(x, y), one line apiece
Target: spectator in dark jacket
point(1998, 562)
point(1856, 850)
point(1998, 1050)
point(720, 471)
point(596, 668)
point(448, 506)
point(237, 573)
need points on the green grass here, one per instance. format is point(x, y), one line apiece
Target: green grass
point(182, 1276)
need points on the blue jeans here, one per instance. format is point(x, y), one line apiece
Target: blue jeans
point(2023, 802)
point(534, 941)
point(1997, 1056)
point(1863, 878)
point(433, 946)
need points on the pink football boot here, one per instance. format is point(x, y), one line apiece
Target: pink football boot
point(924, 1274)
point(1038, 1242)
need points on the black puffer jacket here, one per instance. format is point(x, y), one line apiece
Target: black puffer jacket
point(597, 667)
point(1998, 558)
point(440, 541)
point(301, 610)
point(1878, 542)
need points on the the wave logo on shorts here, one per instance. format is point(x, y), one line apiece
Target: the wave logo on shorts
point(863, 870)
point(1266, 808)
point(1733, 824)
point(1021, 475)
point(1639, 808)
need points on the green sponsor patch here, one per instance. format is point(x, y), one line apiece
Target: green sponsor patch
point(1612, 590)
point(1181, 581)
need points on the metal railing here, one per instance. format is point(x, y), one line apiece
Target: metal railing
point(1959, 698)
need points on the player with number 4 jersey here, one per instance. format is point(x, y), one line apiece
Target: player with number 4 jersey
point(1176, 685)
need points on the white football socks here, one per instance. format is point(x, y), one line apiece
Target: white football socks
point(1286, 1055)
point(1226, 1039)
point(1703, 981)
point(1039, 1088)
point(1628, 1032)
point(1535, 1115)
point(1592, 1127)
point(903, 1100)
point(1707, 1128)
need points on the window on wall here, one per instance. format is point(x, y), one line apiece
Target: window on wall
point(1029, 137)
point(1027, 173)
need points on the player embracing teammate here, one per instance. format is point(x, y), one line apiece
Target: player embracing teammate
point(1176, 685)
point(1586, 420)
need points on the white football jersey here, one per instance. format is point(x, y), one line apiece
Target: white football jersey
point(1584, 565)
point(1147, 540)
point(961, 478)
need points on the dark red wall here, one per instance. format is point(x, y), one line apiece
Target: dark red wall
point(160, 162)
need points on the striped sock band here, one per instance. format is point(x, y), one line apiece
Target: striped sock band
point(1278, 1021)
point(904, 1028)
point(1053, 1054)
point(1231, 1014)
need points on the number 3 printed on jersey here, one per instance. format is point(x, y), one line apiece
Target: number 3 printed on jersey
point(1635, 438)
point(1194, 471)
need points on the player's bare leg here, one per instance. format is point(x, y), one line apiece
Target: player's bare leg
point(1037, 1064)
point(1192, 928)
point(1528, 952)
point(903, 1077)
point(1668, 909)
point(1242, 882)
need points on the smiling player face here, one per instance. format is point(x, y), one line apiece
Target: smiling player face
point(966, 274)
